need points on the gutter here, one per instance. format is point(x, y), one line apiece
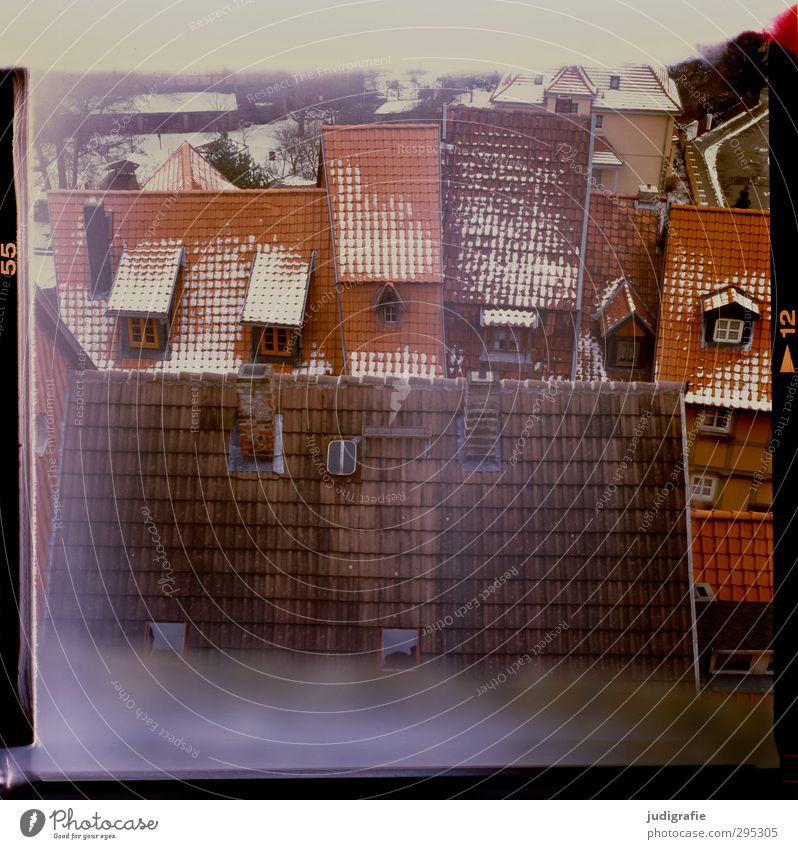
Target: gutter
point(580, 277)
point(689, 529)
point(338, 287)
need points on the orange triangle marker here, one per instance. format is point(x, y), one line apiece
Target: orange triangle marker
point(786, 363)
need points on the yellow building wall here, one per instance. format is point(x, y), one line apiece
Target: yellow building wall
point(644, 142)
point(740, 460)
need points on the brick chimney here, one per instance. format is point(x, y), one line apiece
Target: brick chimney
point(256, 410)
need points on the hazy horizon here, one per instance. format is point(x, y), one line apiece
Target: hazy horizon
point(251, 35)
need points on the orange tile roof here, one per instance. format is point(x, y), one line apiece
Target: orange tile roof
point(220, 232)
point(186, 170)
point(733, 553)
point(709, 249)
point(383, 182)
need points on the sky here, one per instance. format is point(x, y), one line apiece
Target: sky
point(250, 35)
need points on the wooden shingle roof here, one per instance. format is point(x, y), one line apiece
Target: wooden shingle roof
point(309, 563)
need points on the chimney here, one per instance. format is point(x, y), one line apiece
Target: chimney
point(98, 243)
point(255, 387)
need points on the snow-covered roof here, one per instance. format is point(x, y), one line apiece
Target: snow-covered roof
point(508, 318)
point(172, 103)
point(729, 295)
point(397, 107)
point(278, 287)
point(145, 280)
point(641, 88)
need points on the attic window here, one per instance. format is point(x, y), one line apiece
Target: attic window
point(505, 340)
point(142, 333)
point(741, 662)
point(704, 592)
point(702, 487)
point(627, 352)
point(565, 106)
point(388, 304)
point(615, 82)
point(276, 342)
point(715, 421)
point(166, 636)
point(399, 648)
point(538, 79)
point(729, 331)
point(390, 313)
point(342, 457)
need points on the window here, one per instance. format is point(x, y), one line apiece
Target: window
point(742, 662)
point(276, 342)
point(729, 330)
point(142, 333)
point(565, 106)
point(505, 340)
point(704, 592)
point(716, 421)
point(399, 648)
point(342, 457)
point(390, 312)
point(166, 636)
point(703, 487)
point(599, 122)
point(538, 79)
point(626, 351)
point(615, 82)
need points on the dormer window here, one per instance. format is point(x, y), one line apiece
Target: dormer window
point(143, 297)
point(728, 318)
point(729, 330)
point(508, 333)
point(275, 305)
point(143, 333)
point(565, 106)
point(627, 327)
point(276, 342)
point(390, 313)
point(389, 305)
point(615, 82)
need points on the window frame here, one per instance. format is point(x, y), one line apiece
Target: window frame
point(704, 427)
point(599, 121)
point(727, 325)
point(273, 350)
point(573, 106)
point(615, 82)
point(699, 496)
point(760, 662)
point(343, 473)
point(164, 652)
point(621, 342)
point(144, 325)
point(509, 336)
point(390, 312)
point(416, 656)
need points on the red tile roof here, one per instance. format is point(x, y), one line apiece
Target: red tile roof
point(220, 232)
point(187, 170)
point(709, 249)
point(621, 243)
point(514, 193)
point(621, 303)
point(383, 182)
point(733, 553)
